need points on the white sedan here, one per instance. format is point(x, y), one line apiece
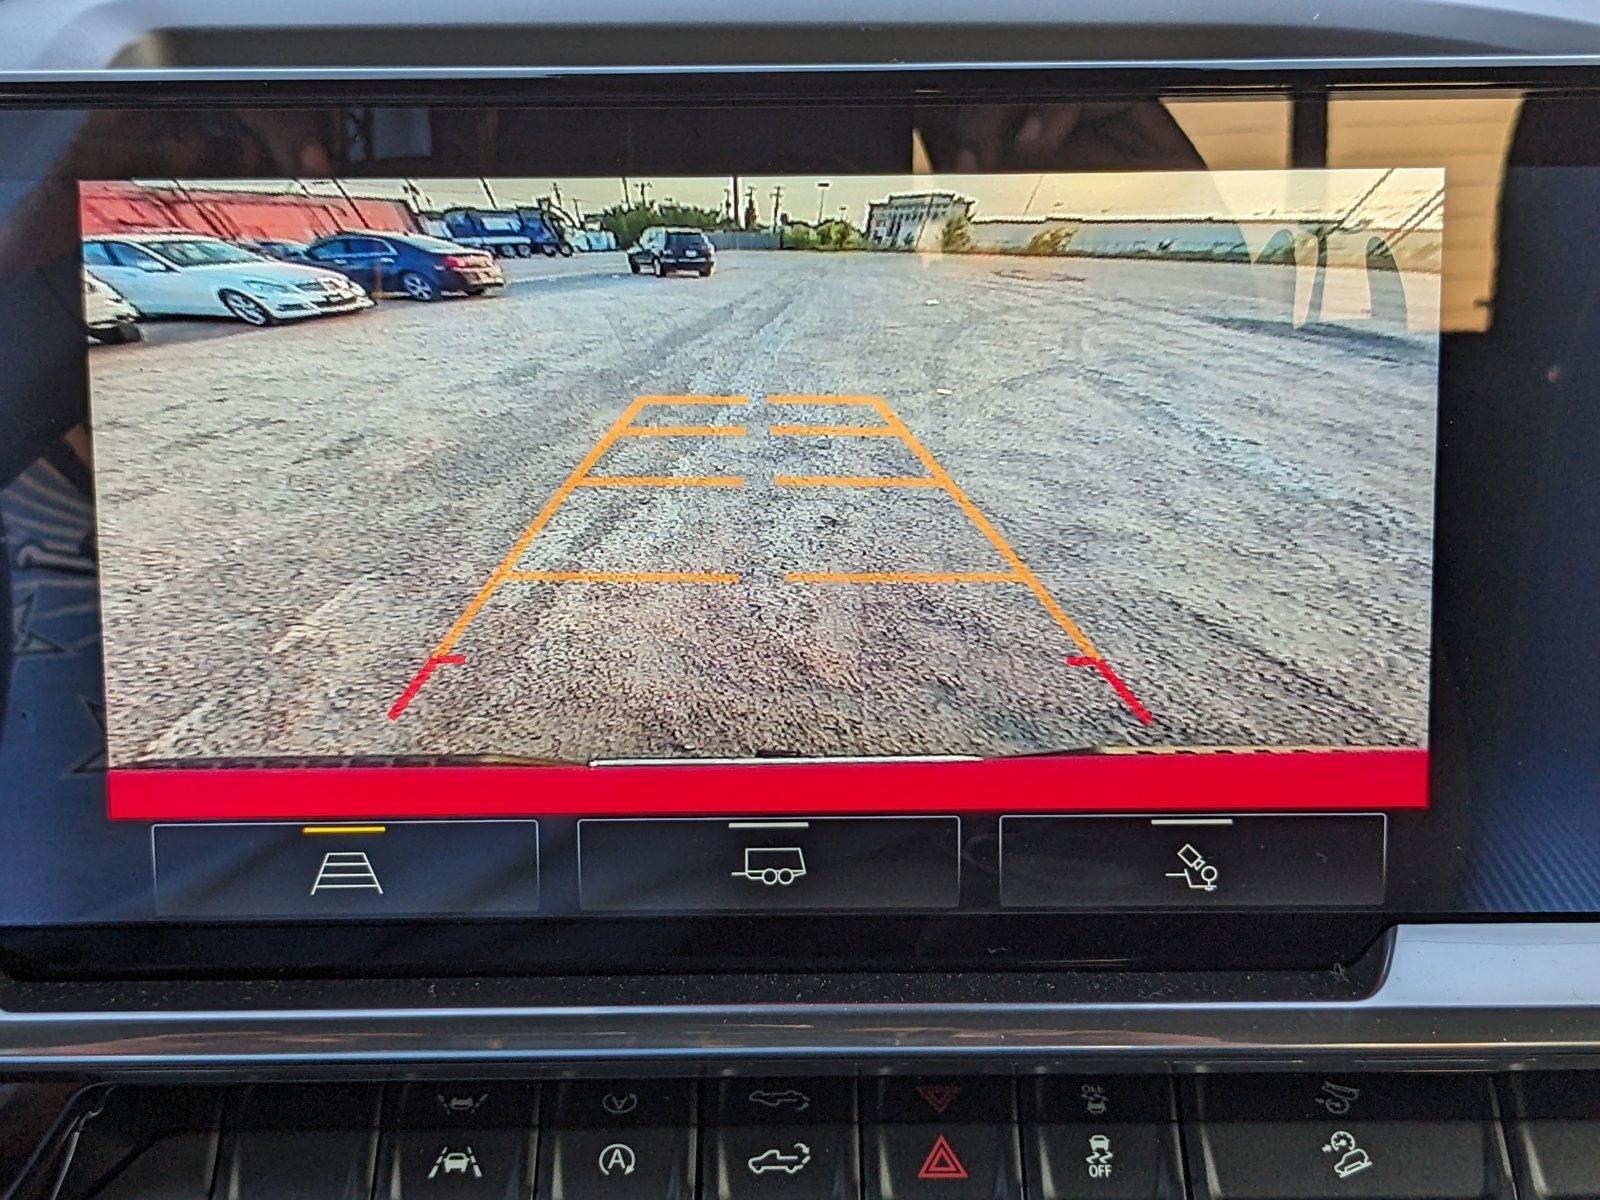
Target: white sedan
point(107, 316)
point(189, 275)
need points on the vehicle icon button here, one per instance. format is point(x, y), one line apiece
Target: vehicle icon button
point(791, 1099)
point(1099, 1156)
point(456, 1162)
point(444, 1161)
point(790, 1162)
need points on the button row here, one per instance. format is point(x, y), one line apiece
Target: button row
point(830, 864)
point(1277, 1137)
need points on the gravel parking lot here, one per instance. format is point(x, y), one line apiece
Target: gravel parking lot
point(1233, 513)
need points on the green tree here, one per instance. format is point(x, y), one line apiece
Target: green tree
point(839, 235)
point(628, 221)
point(956, 235)
point(1048, 241)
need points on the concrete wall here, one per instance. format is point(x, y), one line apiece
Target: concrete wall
point(744, 239)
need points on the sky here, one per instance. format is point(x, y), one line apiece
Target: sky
point(1235, 195)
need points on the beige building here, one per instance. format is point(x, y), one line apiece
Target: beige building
point(913, 220)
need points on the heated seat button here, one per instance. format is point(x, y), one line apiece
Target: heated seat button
point(940, 1161)
point(293, 1142)
point(1554, 1126)
point(1374, 1137)
point(1091, 1136)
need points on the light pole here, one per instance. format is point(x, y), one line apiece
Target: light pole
point(822, 192)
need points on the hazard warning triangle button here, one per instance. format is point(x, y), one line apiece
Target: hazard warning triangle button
point(942, 1162)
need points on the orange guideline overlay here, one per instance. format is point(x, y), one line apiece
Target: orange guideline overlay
point(1016, 571)
point(507, 571)
point(937, 477)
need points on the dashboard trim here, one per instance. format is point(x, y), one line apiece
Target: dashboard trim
point(1456, 995)
point(1415, 68)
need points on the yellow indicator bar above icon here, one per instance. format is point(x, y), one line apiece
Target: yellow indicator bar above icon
point(316, 829)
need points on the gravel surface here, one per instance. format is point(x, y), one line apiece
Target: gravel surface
point(1236, 514)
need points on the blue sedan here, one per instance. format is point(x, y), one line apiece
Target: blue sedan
point(423, 268)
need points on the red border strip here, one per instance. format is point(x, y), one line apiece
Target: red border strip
point(1142, 782)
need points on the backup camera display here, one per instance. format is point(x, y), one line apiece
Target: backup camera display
point(519, 470)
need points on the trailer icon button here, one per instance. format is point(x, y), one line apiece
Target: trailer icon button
point(767, 863)
point(774, 866)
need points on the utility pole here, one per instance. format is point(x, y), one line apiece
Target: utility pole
point(555, 186)
point(822, 192)
point(489, 192)
point(643, 187)
point(777, 199)
point(626, 196)
point(733, 202)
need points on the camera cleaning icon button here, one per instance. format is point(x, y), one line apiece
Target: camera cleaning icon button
point(1181, 861)
point(1197, 872)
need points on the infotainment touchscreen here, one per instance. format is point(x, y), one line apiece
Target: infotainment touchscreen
point(427, 474)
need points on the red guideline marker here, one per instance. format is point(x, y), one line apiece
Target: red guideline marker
point(942, 1162)
point(434, 662)
point(1123, 691)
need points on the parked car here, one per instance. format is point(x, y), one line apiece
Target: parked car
point(107, 315)
point(282, 249)
point(189, 275)
point(419, 266)
point(664, 249)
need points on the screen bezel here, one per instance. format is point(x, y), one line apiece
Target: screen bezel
point(1427, 847)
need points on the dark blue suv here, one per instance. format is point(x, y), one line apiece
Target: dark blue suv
point(663, 249)
point(421, 267)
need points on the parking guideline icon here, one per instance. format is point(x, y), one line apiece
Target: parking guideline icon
point(346, 870)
